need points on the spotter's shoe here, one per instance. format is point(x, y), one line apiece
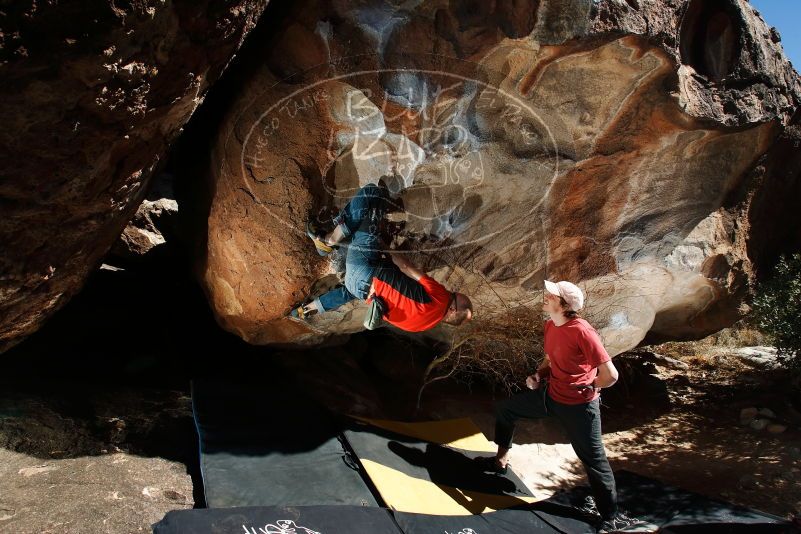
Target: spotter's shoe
point(490, 464)
point(623, 523)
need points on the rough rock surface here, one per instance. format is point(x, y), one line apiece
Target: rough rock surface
point(630, 146)
point(91, 96)
point(96, 459)
point(116, 492)
point(764, 357)
point(154, 223)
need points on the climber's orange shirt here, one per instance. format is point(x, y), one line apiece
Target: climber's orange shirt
point(413, 306)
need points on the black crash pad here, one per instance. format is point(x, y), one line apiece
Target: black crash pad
point(265, 443)
point(279, 520)
point(498, 522)
point(668, 508)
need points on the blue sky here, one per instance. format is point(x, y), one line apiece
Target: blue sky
point(785, 15)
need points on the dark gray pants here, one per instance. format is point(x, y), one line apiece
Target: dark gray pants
point(583, 425)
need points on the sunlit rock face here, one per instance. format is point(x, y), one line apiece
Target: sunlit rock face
point(92, 95)
point(620, 145)
point(153, 224)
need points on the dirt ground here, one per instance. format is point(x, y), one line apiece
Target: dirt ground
point(682, 427)
point(81, 458)
point(701, 445)
point(104, 457)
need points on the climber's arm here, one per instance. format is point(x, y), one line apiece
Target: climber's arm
point(406, 266)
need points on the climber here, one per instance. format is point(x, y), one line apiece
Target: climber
point(397, 291)
point(567, 386)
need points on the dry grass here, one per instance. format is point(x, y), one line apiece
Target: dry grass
point(741, 334)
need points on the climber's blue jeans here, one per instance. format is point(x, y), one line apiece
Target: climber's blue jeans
point(359, 221)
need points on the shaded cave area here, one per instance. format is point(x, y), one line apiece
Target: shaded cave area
point(111, 372)
point(711, 38)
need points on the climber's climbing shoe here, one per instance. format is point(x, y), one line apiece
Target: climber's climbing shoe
point(300, 312)
point(316, 236)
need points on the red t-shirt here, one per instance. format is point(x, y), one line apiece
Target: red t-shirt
point(575, 351)
point(414, 305)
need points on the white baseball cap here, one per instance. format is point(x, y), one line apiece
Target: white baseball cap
point(568, 291)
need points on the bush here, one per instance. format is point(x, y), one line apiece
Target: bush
point(499, 349)
point(777, 309)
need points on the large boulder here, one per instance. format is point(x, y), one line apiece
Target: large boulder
point(92, 95)
point(626, 146)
